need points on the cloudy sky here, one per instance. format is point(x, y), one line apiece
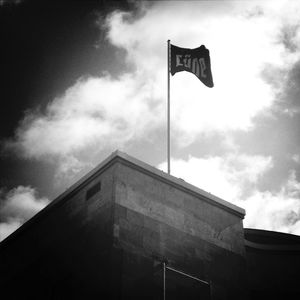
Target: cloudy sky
point(80, 79)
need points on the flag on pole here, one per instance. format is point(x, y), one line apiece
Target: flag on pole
point(196, 61)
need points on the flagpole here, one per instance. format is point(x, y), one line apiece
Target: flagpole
point(168, 126)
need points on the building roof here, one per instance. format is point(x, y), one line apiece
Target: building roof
point(118, 156)
point(271, 241)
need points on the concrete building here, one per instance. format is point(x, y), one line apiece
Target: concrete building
point(129, 231)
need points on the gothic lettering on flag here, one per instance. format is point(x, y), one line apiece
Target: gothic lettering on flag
point(196, 61)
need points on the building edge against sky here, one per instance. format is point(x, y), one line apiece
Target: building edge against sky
point(126, 230)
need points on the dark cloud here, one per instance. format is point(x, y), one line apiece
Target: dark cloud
point(288, 36)
point(290, 94)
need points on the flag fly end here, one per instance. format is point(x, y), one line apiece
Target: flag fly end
point(196, 61)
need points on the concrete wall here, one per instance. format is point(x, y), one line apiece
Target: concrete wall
point(158, 220)
point(65, 251)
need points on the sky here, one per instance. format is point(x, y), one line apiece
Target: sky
point(80, 79)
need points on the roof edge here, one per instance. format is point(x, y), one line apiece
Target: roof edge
point(181, 183)
point(142, 166)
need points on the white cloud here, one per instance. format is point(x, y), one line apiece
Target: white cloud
point(296, 158)
point(230, 176)
point(109, 113)
point(94, 110)
point(8, 227)
point(276, 211)
point(101, 113)
point(17, 206)
point(227, 177)
point(241, 47)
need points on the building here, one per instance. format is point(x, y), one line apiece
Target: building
point(129, 231)
point(273, 261)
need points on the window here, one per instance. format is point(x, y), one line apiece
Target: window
point(93, 190)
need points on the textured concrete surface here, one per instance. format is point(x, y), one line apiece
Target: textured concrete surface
point(162, 221)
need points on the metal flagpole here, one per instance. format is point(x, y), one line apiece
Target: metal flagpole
point(164, 281)
point(168, 126)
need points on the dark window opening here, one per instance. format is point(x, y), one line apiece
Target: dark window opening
point(93, 190)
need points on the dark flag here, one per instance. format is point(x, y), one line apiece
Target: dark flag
point(196, 61)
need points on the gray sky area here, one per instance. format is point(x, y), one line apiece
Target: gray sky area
point(80, 79)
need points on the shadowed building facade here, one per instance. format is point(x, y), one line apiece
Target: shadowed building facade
point(129, 231)
point(273, 264)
